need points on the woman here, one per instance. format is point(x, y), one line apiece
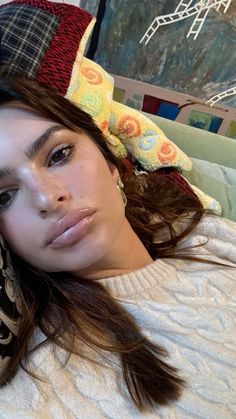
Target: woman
point(107, 290)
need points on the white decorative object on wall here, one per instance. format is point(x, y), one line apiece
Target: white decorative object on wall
point(74, 2)
point(185, 10)
point(222, 95)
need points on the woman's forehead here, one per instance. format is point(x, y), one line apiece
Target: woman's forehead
point(21, 124)
point(20, 111)
point(20, 129)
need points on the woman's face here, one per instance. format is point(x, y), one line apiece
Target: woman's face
point(45, 188)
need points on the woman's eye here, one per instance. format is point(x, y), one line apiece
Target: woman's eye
point(5, 199)
point(62, 155)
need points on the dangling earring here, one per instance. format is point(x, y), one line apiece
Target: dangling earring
point(119, 186)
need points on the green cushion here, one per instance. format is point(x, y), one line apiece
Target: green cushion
point(214, 162)
point(217, 181)
point(199, 143)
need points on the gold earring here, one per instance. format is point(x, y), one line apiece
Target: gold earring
point(119, 186)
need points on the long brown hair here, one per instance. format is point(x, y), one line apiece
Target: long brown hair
point(72, 311)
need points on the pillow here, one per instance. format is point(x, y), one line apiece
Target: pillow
point(216, 180)
point(43, 39)
point(128, 131)
point(91, 89)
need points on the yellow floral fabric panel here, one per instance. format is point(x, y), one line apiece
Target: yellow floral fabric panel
point(92, 90)
point(145, 140)
point(127, 131)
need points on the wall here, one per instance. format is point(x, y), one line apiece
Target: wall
point(176, 106)
point(182, 69)
point(202, 67)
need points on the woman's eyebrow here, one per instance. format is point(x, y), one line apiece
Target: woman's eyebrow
point(38, 144)
point(34, 148)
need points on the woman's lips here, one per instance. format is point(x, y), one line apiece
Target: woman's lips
point(73, 234)
point(64, 224)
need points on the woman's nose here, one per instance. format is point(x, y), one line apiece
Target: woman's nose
point(48, 195)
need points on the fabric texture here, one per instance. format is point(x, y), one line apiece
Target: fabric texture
point(187, 307)
point(198, 143)
point(41, 39)
point(37, 29)
point(128, 131)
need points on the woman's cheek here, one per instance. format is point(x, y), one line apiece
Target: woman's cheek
point(15, 231)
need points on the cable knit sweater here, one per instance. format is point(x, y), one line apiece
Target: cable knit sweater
point(187, 307)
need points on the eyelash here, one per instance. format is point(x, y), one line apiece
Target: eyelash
point(70, 148)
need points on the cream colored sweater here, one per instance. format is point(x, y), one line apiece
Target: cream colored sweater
point(187, 307)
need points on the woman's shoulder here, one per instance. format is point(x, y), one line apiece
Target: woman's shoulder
point(213, 225)
point(217, 237)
